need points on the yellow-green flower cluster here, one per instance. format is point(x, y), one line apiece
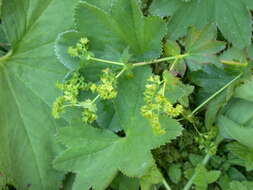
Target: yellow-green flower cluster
point(81, 49)
point(70, 91)
point(107, 85)
point(156, 104)
point(105, 88)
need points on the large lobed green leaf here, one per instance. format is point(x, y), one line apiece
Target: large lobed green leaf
point(232, 17)
point(27, 78)
point(123, 26)
point(90, 150)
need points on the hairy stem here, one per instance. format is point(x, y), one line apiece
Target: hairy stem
point(177, 57)
point(107, 61)
point(160, 60)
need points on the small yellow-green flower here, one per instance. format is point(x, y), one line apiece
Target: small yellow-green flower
point(81, 49)
point(107, 85)
point(73, 51)
point(156, 104)
point(84, 41)
point(58, 107)
point(88, 116)
point(70, 92)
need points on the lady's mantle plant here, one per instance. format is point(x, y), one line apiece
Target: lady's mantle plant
point(127, 96)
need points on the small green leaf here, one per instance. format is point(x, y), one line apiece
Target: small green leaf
point(122, 182)
point(175, 173)
point(204, 177)
point(202, 46)
point(152, 177)
point(175, 90)
point(171, 48)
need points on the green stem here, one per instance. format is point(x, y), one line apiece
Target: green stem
point(160, 60)
point(214, 95)
point(95, 99)
point(120, 73)
point(71, 105)
point(234, 63)
point(173, 64)
point(107, 61)
point(166, 185)
point(177, 57)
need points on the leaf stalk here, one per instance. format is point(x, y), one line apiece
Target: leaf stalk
point(177, 57)
point(214, 95)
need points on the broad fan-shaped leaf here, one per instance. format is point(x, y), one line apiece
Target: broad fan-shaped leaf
point(202, 46)
point(122, 27)
point(94, 151)
point(27, 77)
point(232, 17)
